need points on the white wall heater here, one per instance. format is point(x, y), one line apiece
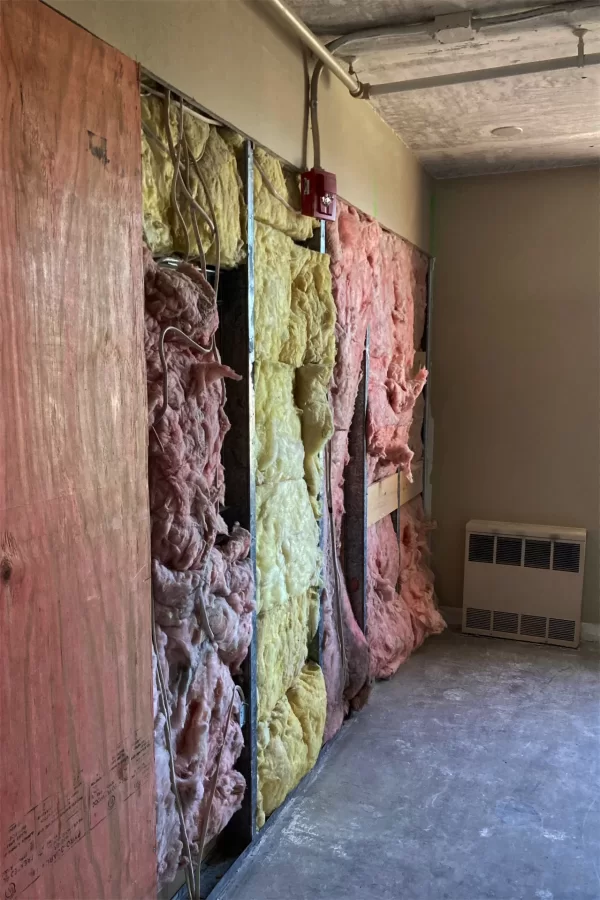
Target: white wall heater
point(524, 582)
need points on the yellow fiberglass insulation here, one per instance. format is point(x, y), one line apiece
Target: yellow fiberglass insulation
point(269, 208)
point(288, 557)
point(312, 310)
point(273, 291)
point(294, 311)
point(278, 432)
point(217, 163)
point(283, 634)
point(312, 385)
point(289, 745)
point(295, 354)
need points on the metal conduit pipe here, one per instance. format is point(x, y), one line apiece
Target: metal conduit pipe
point(428, 26)
point(537, 12)
point(332, 47)
point(532, 68)
point(355, 37)
point(325, 53)
point(315, 46)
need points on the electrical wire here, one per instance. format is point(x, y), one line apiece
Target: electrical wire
point(182, 179)
point(192, 211)
point(211, 207)
point(165, 371)
point(148, 91)
point(176, 159)
point(213, 787)
point(211, 222)
point(274, 190)
point(164, 707)
point(424, 27)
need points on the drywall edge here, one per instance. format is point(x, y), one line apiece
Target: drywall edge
point(234, 60)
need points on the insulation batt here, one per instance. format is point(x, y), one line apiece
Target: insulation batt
point(393, 388)
point(400, 597)
point(416, 578)
point(391, 638)
point(288, 746)
point(217, 162)
point(295, 351)
point(378, 281)
point(268, 208)
point(352, 243)
point(201, 574)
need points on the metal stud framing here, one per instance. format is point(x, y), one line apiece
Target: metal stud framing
point(356, 501)
point(237, 351)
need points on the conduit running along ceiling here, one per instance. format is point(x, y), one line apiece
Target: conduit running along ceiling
point(450, 128)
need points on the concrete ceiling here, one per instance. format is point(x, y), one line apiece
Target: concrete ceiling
point(450, 127)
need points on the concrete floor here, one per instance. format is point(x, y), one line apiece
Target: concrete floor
point(471, 775)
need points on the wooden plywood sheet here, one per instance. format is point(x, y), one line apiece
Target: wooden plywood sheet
point(383, 498)
point(76, 773)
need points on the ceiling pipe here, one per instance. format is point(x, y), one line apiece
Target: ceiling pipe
point(325, 54)
point(296, 24)
point(434, 81)
point(538, 12)
point(428, 26)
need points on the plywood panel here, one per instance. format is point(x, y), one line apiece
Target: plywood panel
point(383, 498)
point(76, 768)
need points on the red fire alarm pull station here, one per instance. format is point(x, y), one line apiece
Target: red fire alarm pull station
point(319, 191)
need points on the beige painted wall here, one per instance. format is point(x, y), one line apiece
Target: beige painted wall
point(516, 349)
point(234, 60)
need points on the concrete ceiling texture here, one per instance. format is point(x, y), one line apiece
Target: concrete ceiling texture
point(553, 117)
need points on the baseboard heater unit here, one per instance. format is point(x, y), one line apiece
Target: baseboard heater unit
point(524, 582)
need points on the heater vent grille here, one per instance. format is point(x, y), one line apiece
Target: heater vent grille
point(566, 557)
point(508, 551)
point(481, 619)
point(506, 622)
point(537, 554)
point(530, 585)
point(561, 630)
point(481, 548)
point(533, 626)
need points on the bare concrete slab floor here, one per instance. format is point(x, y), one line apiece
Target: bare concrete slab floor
point(472, 775)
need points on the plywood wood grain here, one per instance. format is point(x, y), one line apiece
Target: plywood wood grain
point(411, 489)
point(383, 498)
point(76, 766)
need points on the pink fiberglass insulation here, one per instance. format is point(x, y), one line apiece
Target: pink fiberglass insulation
point(379, 281)
point(347, 683)
point(393, 390)
point(352, 243)
point(400, 598)
point(416, 578)
point(202, 580)
point(393, 393)
point(391, 638)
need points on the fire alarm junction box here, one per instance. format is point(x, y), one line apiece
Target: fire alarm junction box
point(319, 190)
